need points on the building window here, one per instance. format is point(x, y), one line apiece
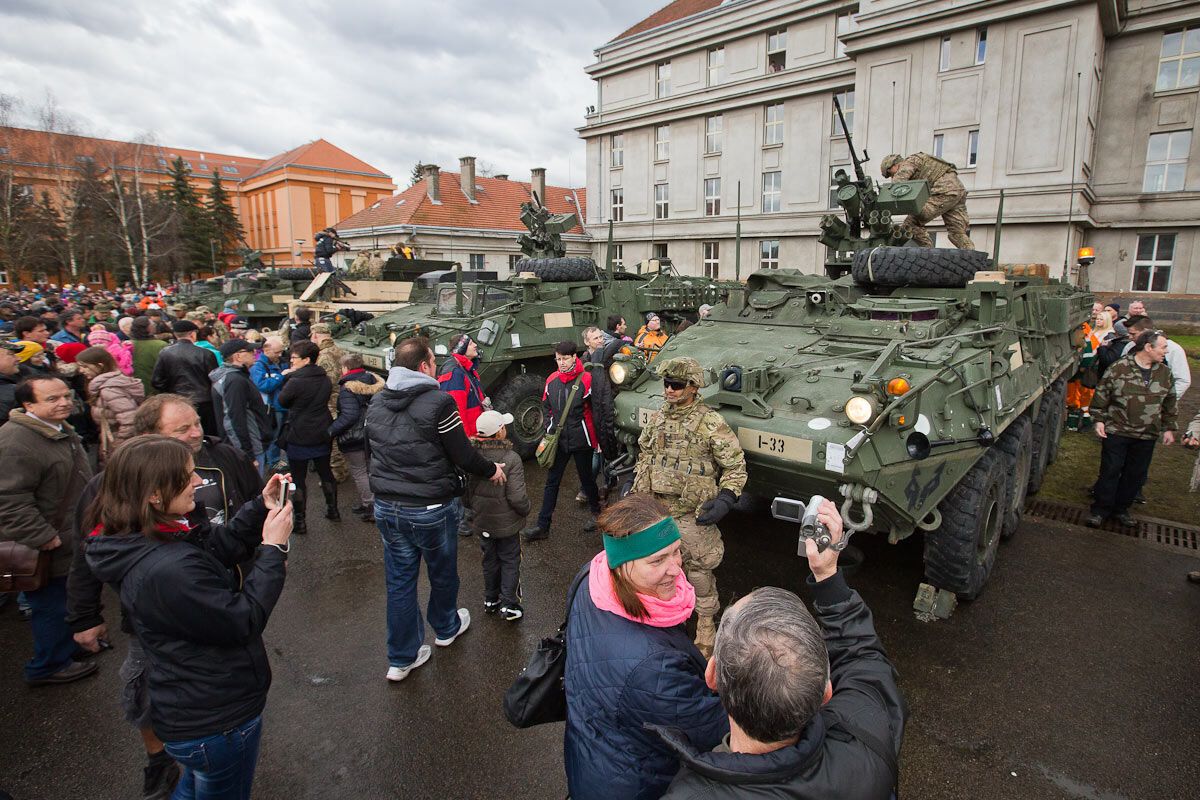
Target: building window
point(713, 127)
point(972, 148)
point(25, 190)
point(1179, 60)
point(662, 142)
point(617, 205)
point(93, 277)
point(616, 147)
point(229, 169)
point(980, 45)
point(712, 197)
point(618, 256)
point(777, 51)
point(768, 254)
point(513, 260)
point(162, 162)
point(833, 184)
point(712, 260)
point(845, 24)
point(476, 260)
point(1166, 161)
point(204, 167)
point(944, 57)
point(846, 98)
point(662, 79)
point(716, 66)
point(939, 144)
point(773, 124)
point(4, 152)
point(3, 276)
point(662, 200)
point(1152, 267)
point(772, 192)
point(659, 250)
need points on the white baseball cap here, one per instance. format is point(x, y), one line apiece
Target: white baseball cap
point(490, 422)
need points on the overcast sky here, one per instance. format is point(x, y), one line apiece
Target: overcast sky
point(391, 82)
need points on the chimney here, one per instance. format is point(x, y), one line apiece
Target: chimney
point(432, 182)
point(537, 183)
point(466, 176)
point(501, 177)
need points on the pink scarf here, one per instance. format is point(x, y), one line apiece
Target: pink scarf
point(663, 613)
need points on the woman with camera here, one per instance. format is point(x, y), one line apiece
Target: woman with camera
point(208, 671)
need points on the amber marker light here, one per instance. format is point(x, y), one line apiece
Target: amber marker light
point(1087, 252)
point(898, 386)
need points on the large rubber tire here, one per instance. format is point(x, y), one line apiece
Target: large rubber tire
point(1047, 432)
point(1016, 444)
point(918, 267)
point(559, 270)
point(960, 554)
point(294, 274)
point(521, 396)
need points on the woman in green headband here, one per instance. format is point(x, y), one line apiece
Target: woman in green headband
point(630, 661)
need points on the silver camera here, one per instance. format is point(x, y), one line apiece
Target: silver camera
point(805, 515)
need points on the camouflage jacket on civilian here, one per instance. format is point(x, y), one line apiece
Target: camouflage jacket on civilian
point(1129, 406)
point(1194, 428)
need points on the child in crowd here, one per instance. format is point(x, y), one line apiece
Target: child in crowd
point(499, 514)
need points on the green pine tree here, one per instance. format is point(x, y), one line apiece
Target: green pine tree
point(196, 233)
point(227, 228)
point(416, 176)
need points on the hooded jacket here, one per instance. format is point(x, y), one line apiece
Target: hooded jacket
point(499, 511)
point(416, 440)
point(578, 431)
point(183, 368)
point(207, 666)
point(830, 759)
point(355, 390)
point(268, 377)
point(462, 382)
point(240, 411)
point(115, 398)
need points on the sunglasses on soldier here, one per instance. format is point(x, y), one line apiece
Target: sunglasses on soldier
point(671, 383)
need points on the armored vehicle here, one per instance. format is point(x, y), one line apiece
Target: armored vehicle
point(922, 389)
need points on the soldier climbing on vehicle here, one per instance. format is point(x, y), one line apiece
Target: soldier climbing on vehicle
point(947, 196)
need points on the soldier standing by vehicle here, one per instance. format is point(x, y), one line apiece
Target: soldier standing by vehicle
point(330, 360)
point(689, 458)
point(947, 196)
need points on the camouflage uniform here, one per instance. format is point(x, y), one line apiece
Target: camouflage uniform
point(687, 454)
point(330, 360)
point(947, 198)
point(1135, 412)
point(1194, 431)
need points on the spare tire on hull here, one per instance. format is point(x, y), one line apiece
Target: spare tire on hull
point(918, 267)
point(558, 270)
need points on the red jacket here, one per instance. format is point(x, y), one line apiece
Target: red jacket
point(464, 385)
point(578, 432)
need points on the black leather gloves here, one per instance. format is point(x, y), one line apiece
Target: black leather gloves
point(715, 510)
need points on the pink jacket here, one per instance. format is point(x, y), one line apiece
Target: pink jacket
point(122, 352)
point(115, 399)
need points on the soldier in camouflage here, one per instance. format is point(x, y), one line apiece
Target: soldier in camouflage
point(330, 360)
point(1134, 404)
point(691, 460)
point(947, 197)
point(1191, 440)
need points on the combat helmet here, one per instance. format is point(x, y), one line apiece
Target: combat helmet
point(888, 162)
point(682, 369)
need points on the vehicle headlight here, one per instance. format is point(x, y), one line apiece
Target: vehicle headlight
point(389, 355)
point(859, 409)
point(617, 373)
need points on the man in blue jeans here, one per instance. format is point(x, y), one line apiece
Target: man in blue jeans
point(417, 444)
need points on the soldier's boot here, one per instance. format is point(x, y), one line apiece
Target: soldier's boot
point(706, 635)
point(331, 502)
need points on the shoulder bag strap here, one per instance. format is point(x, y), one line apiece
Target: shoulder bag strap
point(574, 590)
point(567, 406)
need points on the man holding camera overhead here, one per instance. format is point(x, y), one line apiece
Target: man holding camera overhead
point(689, 458)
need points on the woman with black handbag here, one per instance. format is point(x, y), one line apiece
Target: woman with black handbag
point(356, 387)
point(305, 395)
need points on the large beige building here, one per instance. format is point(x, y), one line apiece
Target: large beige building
point(1082, 112)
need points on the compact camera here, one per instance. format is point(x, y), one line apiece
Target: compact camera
point(805, 515)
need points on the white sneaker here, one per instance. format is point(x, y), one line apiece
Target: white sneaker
point(464, 622)
point(398, 674)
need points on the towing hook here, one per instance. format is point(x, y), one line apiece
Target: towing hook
point(864, 495)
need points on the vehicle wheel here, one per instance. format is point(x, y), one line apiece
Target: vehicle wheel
point(1016, 444)
point(959, 555)
point(522, 397)
point(558, 270)
point(929, 267)
point(294, 274)
point(1047, 432)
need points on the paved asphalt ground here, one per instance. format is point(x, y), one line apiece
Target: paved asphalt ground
point(1073, 676)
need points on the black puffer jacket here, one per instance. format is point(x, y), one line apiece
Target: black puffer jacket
point(416, 441)
point(305, 394)
point(355, 390)
point(603, 411)
point(208, 669)
point(182, 368)
point(8, 389)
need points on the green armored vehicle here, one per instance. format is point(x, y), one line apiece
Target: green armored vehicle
point(922, 391)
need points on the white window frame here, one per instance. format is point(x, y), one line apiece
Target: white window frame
point(973, 148)
point(660, 250)
point(3, 276)
point(772, 191)
point(1154, 264)
point(980, 45)
point(662, 142)
point(618, 256)
point(662, 79)
point(476, 260)
point(1165, 167)
point(616, 205)
point(777, 50)
point(1170, 65)
point(712, 197)
point(94, 277)
point(513, 260)
point(768, 254)
point(714, 130)
point(773, 124)
point(939, 144)
point(846, 98)
point(716, 66)
point(662, 200)
point(711, 258)
point(944, 54)
point(616, 147)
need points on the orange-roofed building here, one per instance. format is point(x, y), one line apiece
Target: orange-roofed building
point(462, 217)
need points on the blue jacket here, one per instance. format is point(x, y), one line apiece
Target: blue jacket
point(268, 378)
point(64, 336)
point(622, 676)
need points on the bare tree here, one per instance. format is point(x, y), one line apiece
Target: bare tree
point(63, 155)
point(145, 228)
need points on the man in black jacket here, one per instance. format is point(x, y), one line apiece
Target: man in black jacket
point(183, 368)
point(814, 709)
point(10, 375)
point(417, 446)
point(238, 405)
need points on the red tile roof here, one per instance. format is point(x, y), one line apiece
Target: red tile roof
point(498, 206)
point(671, 12)
point(319, 154)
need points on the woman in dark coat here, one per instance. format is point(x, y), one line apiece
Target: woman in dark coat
point(305, 395)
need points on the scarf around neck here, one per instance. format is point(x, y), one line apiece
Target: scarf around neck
point(663, 613)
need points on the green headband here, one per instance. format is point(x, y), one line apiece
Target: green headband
point(641, 544)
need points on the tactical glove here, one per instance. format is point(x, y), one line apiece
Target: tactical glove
point(715, 510)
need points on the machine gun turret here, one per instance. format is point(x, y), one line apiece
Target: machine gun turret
point(867, 211)
point(544, 239)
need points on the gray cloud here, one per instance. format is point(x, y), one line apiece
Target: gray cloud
point(392, 83)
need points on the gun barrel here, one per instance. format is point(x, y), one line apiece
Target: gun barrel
point(858, 170)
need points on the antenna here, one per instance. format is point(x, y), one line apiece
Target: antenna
point(1071, 196)
point(892, 136)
